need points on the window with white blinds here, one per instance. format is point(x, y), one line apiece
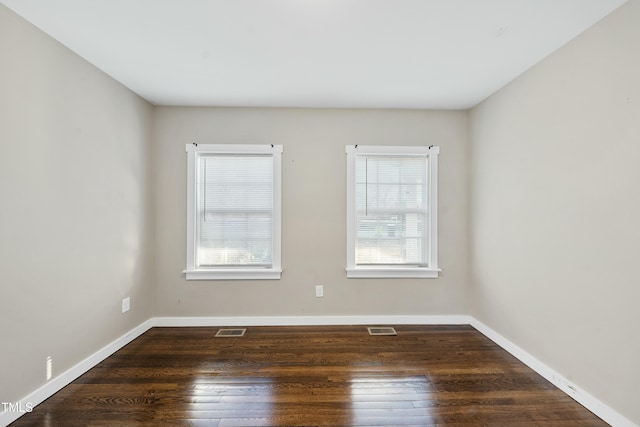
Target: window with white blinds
point(392, 213)
point(391, 210)
point(235, 212)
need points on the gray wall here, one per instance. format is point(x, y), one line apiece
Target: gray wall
point(539, 203)
point(555, 208)
point(75, 207)
point(314, 210)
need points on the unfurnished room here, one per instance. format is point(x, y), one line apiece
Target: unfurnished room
point(319, 213)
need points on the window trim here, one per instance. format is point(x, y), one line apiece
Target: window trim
point(226, 273)
point(432, 270)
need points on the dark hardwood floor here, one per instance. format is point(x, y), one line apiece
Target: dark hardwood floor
point(311, 376)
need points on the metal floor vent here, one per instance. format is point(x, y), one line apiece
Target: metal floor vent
point(382, 331)
point(231, 332)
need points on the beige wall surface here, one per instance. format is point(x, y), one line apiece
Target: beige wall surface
point(555, 208)
point(538, 206)
point(314, 211)
point(74, 208)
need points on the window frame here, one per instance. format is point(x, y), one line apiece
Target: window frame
point(192, 272)
point(431, 270)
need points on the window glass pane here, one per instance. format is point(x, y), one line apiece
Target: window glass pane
point(391, 210)
point(235, 210)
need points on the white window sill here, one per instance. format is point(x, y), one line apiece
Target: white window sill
point(233, 274)
point(390, 272)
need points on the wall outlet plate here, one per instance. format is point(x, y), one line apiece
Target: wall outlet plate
point(126, 304)
point(49, 367)
point(319, 291)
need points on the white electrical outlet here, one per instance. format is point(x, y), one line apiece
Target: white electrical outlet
point(319, 291)
point(126, 304)
point(49, 367)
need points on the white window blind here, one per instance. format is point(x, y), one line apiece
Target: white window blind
point(235, 210)
point(391, 210)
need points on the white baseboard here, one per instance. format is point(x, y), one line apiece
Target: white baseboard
point(57, 383)
point(578, 394)
point(312, 320)
point(585, 399)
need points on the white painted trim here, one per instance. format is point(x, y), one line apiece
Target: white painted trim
point(430, 155)
point(373, 272)
point(234, 274)
point(393, 150)
point(312, 320)
point(578, 394)
point(57, 383)
point(192, 272)
point(234, 148)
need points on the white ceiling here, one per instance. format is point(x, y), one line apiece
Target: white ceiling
point(314, 53)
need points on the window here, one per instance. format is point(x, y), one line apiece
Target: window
point(233, 207)
point(392, 213)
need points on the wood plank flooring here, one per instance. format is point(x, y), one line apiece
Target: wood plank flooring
point(311, 376)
